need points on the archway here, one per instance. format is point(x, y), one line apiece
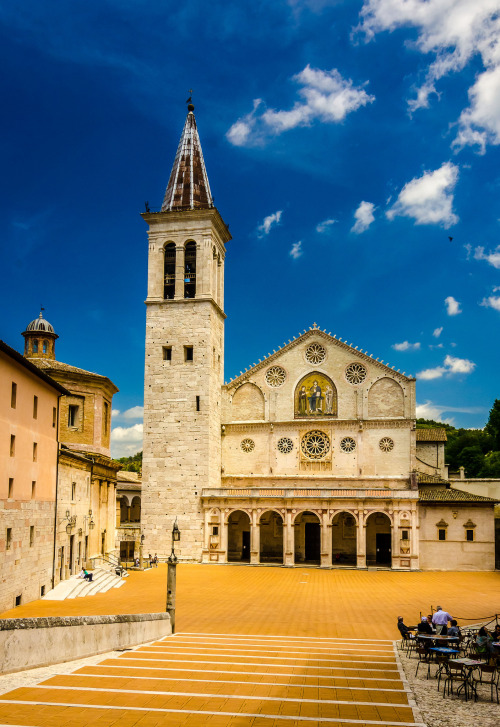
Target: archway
point(135, 510)
point(238, 537)
point(344, 539)
point(378, 540)
point(124, 510)
point(271, 537)
point(307, 538)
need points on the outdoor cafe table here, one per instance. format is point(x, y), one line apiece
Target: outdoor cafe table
point(468, 666)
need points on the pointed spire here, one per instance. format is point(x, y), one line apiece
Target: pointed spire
point(188, 186)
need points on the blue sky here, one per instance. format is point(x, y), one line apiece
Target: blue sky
point(345, 143)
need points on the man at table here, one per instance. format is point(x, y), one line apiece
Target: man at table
point(440, 621)
point(404, 630)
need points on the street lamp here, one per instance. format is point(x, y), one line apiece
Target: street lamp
point(171, 576)
point(141, 560)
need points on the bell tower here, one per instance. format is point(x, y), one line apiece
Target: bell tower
point(184, 353)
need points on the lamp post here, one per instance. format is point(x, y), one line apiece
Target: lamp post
point(171, 576)
point(141, 561)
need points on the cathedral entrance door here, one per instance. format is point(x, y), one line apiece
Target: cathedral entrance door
point(383, 546)
point(312, 541)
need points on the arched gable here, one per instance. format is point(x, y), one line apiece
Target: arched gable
point(248, 403)
point(315, 396)
point(386, 399)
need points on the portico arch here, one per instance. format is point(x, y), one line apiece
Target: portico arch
point(379, 539)
point(271, 537)
point(307, 527)
point(238, 537)
point(344, 539)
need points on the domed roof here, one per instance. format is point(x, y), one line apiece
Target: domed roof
point(40, 324)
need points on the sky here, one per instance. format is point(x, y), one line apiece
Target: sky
point(352, 146)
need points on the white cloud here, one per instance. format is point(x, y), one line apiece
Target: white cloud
point(493, 301)
point(455, 31)
point(296, 250)
point(364, 217)
point(136, 412)
point(451, 365)
point(325, 226)
point(406, 346)
point(493, 258)
point(437, 332)
point(428, 199)
point(126, 440)
point(269, 222)
point(452, 306)
point(115, 412)
point(326, 97)
point(429, 410)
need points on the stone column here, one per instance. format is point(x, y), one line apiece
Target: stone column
point(224, 525)
point(179, 271)
point(255, 538)
point(326, 541)
point(288, 540)
point(395, 554)
point(361, 540)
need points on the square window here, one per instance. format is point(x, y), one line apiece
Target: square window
point(35, 407)
point(188, 353)
point(442, 534)
point(167, 353)
point(11, 487)
point(73, 416)
point(13, 395)
point(405, 535)
point(12, 445)
point(215, 530)
point(469, 535)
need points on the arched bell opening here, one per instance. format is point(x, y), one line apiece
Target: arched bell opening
point(379, 540)
point(135, 510)
point(169, 271)
point(190, 270)
point(307, 529)
point(271, 537)
point(344, 539)
point(238, 537)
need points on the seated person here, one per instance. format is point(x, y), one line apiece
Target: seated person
point(81, 573)
point(88, 576)
point(454, 629)
point(425, 626)
point(483, 641)
point(404, 630)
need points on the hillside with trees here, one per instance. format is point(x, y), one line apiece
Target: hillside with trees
point(132, 464)
point(477, 450)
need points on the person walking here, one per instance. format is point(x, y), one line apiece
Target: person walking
point(440, 620)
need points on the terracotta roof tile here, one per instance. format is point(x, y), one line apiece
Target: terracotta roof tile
point(442, 494)
point(431, 435)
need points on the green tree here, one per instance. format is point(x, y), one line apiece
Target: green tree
point(132, 464)
point(493, 425)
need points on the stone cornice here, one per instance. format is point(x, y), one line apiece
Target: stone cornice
point(187, 216)
point(359, 424)
point(316, 333)
point(184, 301)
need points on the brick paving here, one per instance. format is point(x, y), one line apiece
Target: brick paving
point(260, 647)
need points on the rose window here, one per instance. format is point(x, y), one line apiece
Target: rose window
point(275, 376)
point(285, 445)
point(348, 444)
point(247, 445)
point(315, 353)
point(315, 445)
point(355, 373)
point(386, 444)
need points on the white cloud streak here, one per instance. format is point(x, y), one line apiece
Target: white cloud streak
point(406, 346)
point(493, 258)
point(364, 217)
point(296, 250)
point(451, 365)
point(269, 222)
point(454, 31)
point(493, 301)
point(428, 199)
point(452, 306)
point(437, 332)
point(325, 226)
point(326, 97)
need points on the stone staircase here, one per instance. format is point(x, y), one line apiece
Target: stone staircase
point(76, 587)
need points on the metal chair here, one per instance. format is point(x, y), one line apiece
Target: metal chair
point(423, 658)
point(492, 678)
point(455, 674)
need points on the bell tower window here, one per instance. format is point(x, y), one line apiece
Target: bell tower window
point(45, 347)
point(35, 346)
point(169, 272)
point(190, 270)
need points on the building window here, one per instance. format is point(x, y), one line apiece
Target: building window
point(35, 407)
point(190, 270)
point(167, 353)
point(73, 490)
point(18, 600)
point(442, 534)
point(54, 416)
point(188, 353)
point(11, 487)
point(32, 535)
point(215, 530)
point(469, 535)
point(42, 591)
point(169, 271)
point(73, 416)
point(35, 346)
point(33, 489)
point(197, 403)
point(404, 535)
point(13, 395)
point(8, 539)
point(12, 445)
point(106, 417)
point(35, 451)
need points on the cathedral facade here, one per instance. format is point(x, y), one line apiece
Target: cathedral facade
point(310, 456)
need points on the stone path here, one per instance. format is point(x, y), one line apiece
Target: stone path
point(199, 679)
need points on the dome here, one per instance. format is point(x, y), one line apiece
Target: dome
point(40, 324)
